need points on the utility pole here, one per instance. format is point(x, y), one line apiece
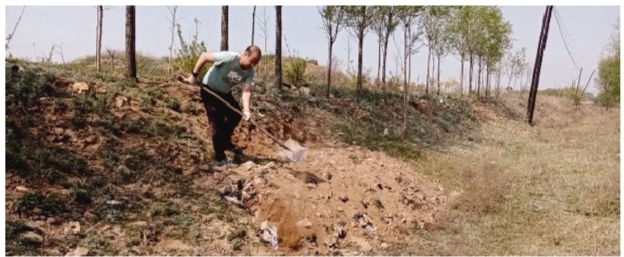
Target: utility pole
point(538, 63)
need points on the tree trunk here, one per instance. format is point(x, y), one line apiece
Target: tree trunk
point(278, 46)
point(360, 58)
point(428, 69)
point(253, 25)
point(461, 75)
point(470, 73)
point(378, 62)
point(498, 80)
point(385, 51)
point(384, 61)
point(224, 28)
point(438, 79)
point(405, 93)
point(329, 67)
point(349, 57)
point(479, 73)
point(510, 77)
point(174, 11)
point(130, 43)
point(98, 40)
point(487, 81)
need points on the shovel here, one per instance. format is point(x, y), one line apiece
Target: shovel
point(292, 150)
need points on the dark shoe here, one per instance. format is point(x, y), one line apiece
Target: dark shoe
point(224, 164)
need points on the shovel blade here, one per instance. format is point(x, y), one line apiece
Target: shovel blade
point(295, 153)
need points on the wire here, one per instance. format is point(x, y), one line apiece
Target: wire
point(563, 38)
point(573, 45)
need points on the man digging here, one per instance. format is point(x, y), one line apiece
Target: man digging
point(228, 70)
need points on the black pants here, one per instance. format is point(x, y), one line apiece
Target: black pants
point(222, 120)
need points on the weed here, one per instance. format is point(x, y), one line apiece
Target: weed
point(50, 205)
point(17, 245)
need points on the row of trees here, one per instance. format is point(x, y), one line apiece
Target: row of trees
point(478, 36)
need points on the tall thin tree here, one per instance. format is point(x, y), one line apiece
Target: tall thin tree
point(332, 18)
point(98, 38)
point(131, 70)
point(173, 10)
point(224, 28)
point(253, 24)
point(278, 46)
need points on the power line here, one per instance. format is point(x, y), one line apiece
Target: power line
point(573, 45)
point(564, 41)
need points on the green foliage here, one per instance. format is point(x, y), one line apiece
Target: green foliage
point(27, 88)
point(187, 55)
point(608, 79)
point(295, 71)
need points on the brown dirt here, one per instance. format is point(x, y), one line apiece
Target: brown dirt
point(396, 196)
point(391, 193)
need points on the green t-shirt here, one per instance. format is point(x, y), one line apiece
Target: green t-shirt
point(226, 72)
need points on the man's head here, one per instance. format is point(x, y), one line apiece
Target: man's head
point(250, 57)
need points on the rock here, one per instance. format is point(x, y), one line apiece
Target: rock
point(384, 246)
point(269, 165)
point(139, 223)
point(21, 189)
point(247, 166)
point(40, 223)
point(58, 131)
point(268, 234)
point(343, 198)
point(91, 139)
point(327, 175)
point(79, 251)
point(365, 246)
point(73, 227)
point(79, 87)
point(52, 221)
point(304, 223)
point(32, 236)
point(331, 242)
point(204, 168)
point(259, 181)
point(89, 216)
point(124, 170)
point(340, 230)
point(311, 185)
point(120, 101)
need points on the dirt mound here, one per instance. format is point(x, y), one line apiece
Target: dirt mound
point(365, 195)
point(140, 155)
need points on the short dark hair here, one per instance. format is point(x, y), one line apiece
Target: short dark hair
point(253, 49)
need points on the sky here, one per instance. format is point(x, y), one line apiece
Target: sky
point(587, 30)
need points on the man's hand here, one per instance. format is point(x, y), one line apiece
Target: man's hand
point(192, 79)
point(247, 115)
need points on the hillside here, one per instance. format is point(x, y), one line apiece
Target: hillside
point(123, 168)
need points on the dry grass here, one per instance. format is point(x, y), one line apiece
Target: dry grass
point(552, 189)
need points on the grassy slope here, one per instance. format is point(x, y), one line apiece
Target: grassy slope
point(158, 122)
point(548, 190)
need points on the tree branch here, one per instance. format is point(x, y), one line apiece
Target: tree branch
point(10, 36)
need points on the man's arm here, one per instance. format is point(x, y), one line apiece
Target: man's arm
point(247, 88)
point(216, 58)
point(247, 95)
